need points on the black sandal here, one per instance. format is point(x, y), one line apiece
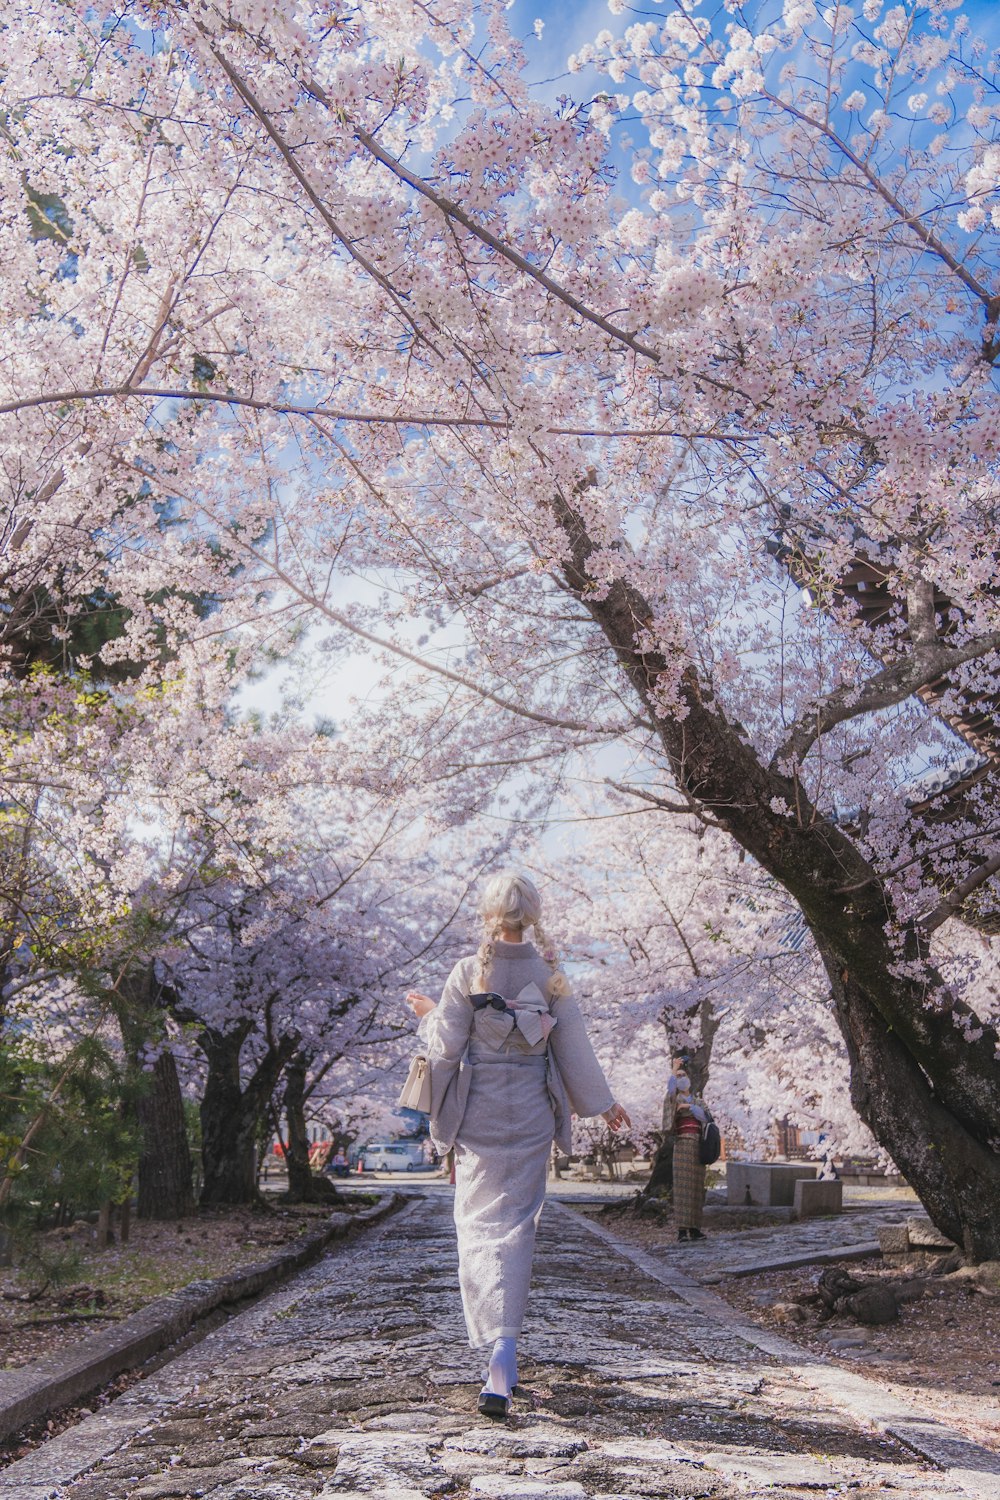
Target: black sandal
point(494, 1406)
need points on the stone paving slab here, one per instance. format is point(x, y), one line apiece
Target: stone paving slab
point(851, 1235)
point(354, 1380)
point(819, 1256)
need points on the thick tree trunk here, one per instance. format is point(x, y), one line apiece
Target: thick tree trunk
point(661, 1176)
point(165, 1170)
point(230, 1113)
point(303, 1186)
point(923, 1067)
point(166, 1176)
point(228, 1159)
point(700, 1057)
point(955, 1174)
point(227, 1132)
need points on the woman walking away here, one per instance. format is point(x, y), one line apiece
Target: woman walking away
point(684, 1117)
point(510, 1060)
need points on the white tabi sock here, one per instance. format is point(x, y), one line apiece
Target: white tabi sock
point(501, 1377)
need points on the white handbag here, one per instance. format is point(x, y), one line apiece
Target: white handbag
point(416, 1091)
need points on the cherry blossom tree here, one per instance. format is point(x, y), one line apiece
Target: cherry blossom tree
point(282, 983)
point(589, 389)
point(680, 944)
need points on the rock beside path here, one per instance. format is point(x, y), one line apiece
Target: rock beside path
point(873, 1304)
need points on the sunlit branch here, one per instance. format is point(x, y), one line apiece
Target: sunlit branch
point(893, 685)
point(952, 904)
point(691, 809)
point(394, 648)
point(344, 414)
point(254, 105)
point(913, 221)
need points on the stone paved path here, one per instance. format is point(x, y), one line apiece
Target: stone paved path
point(354, 1380)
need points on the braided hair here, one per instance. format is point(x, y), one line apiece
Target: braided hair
point(509, 900)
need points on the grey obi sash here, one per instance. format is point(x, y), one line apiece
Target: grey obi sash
point(495, 1019)
point(495, 1024)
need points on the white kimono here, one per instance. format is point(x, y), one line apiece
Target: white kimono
point(500, 1093)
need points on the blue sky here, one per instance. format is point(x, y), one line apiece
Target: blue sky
point(570, 23)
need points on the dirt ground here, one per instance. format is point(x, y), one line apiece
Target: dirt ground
point(942, 1356)
point(93, 1288)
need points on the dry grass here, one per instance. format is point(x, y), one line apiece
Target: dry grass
point(108, 1285)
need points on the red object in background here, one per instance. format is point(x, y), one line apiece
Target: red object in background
point(315, 1150)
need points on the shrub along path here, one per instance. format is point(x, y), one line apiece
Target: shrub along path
point(354, 1379)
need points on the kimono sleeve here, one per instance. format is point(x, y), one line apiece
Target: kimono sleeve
point(445, 1030)
point(581, 1073)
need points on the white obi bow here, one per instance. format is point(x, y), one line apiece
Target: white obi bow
point(529, 1012)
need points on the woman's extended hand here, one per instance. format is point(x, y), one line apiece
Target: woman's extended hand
point(616, 1117)
point(421, 1005)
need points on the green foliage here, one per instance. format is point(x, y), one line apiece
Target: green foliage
point(86, 1149)
point(203, 371)
point(50, 636)
point(43, 1265)
point(47, 216)
point(60, 629)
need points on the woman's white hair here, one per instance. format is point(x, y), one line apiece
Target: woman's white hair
point(509, 900)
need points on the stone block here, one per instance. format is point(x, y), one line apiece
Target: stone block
point(287, 1426)
point(211, 1455)
point(766, 1471)
point(518, 1487)
point(261, 1487)
point(893, 1239)
point(408, 1421)
point(789, 1312)
point(988, 1275)
point(847, 1342)
point(382, 1463)
point(811, 1198)
point(873, 1304)
point(923, 1236)
point(399, 1492)
point(764, 1184)
point(174, 1486)
point(500, 1442)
